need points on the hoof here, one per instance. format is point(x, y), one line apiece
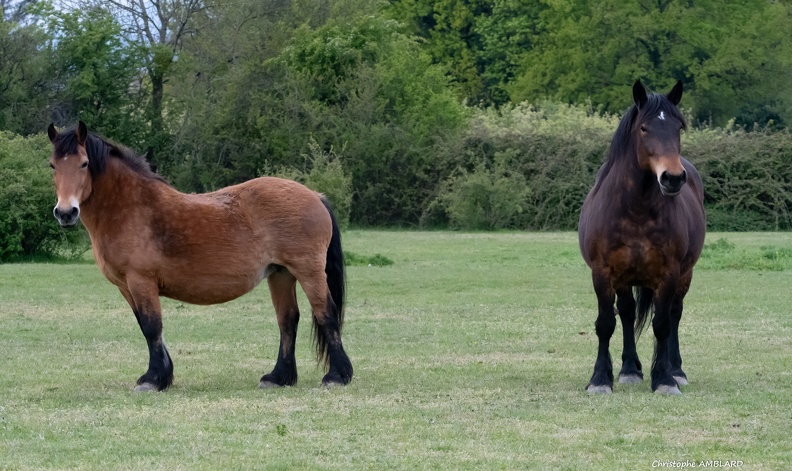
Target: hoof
point(268, 384)
point(332, 384)
point(681, 380)
point(604, 389)
point(145, 387)
point(333, 380)
point(666, 389)
point(630, 379)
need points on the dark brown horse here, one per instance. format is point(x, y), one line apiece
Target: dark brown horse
point(151, 240)
point(642, 227)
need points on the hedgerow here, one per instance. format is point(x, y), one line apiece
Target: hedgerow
point(519, 167)
point(557, 149)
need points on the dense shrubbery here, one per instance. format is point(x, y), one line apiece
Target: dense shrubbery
point(557, 149)
point(554, 149)
point(519, 167)
point(747, 177)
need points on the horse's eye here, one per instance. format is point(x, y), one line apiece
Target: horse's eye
point(52, 166)
point(84, 165)
point(643, 129)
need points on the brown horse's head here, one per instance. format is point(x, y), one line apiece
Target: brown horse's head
point(656, 131)
point(72, 177)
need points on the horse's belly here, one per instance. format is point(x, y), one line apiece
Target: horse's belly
point(211, 288)
point(643, 265)
point(206, 293)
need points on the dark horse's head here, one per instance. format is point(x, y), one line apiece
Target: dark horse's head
point(655, 130)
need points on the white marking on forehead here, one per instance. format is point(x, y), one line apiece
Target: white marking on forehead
point(662, 116)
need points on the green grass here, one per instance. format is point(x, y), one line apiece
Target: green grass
point(471, 351)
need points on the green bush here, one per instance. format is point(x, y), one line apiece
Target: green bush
point(374, 93)
point(485, 199)
point(324, 173)
point(747, 176)
point(27, 228)
point(550, 153)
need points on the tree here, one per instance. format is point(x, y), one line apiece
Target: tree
point(723, 52)
point(158, 27)
point(14, 11)
point(375, 95)
point(479, 42)
point(95, 75)
point(264, 83)
point(23, 71)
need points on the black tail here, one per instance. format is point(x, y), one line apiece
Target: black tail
point(644, 302)
point(336, 283)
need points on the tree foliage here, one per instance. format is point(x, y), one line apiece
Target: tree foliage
point(733, 57)
point(23, 73)
point(98, 76)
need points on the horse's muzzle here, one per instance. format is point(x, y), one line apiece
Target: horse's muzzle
point(671, 185)
point(67, 217)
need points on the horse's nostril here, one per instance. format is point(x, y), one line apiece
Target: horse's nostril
point(74, 212)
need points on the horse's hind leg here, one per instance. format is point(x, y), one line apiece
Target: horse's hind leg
point(631, 365)
point(602, 380)
point(143, 297)
point(282, 290)
point(327, 329)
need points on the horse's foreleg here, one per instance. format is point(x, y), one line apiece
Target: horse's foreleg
point(327, 330)
point(631, 365)
point(144, 299)
point(673, 340)
point(282, 290)
point(673, 344)
point(602, 380)
point(662, 378)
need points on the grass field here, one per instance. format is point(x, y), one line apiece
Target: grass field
point(471, 351)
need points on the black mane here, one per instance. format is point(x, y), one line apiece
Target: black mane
point(99, 149)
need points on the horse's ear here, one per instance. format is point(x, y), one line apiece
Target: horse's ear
point(675, 95)
point(52, 132)
point(639, 94)
point(82, 133)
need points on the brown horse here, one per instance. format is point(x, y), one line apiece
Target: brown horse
point(151, 240)
point(642, 226)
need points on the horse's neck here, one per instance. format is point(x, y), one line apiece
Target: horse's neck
point(115, 197)
point(635, 186)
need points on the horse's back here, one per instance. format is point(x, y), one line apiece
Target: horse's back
point(214, 247)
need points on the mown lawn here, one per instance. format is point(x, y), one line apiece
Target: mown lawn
point(471, 351)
